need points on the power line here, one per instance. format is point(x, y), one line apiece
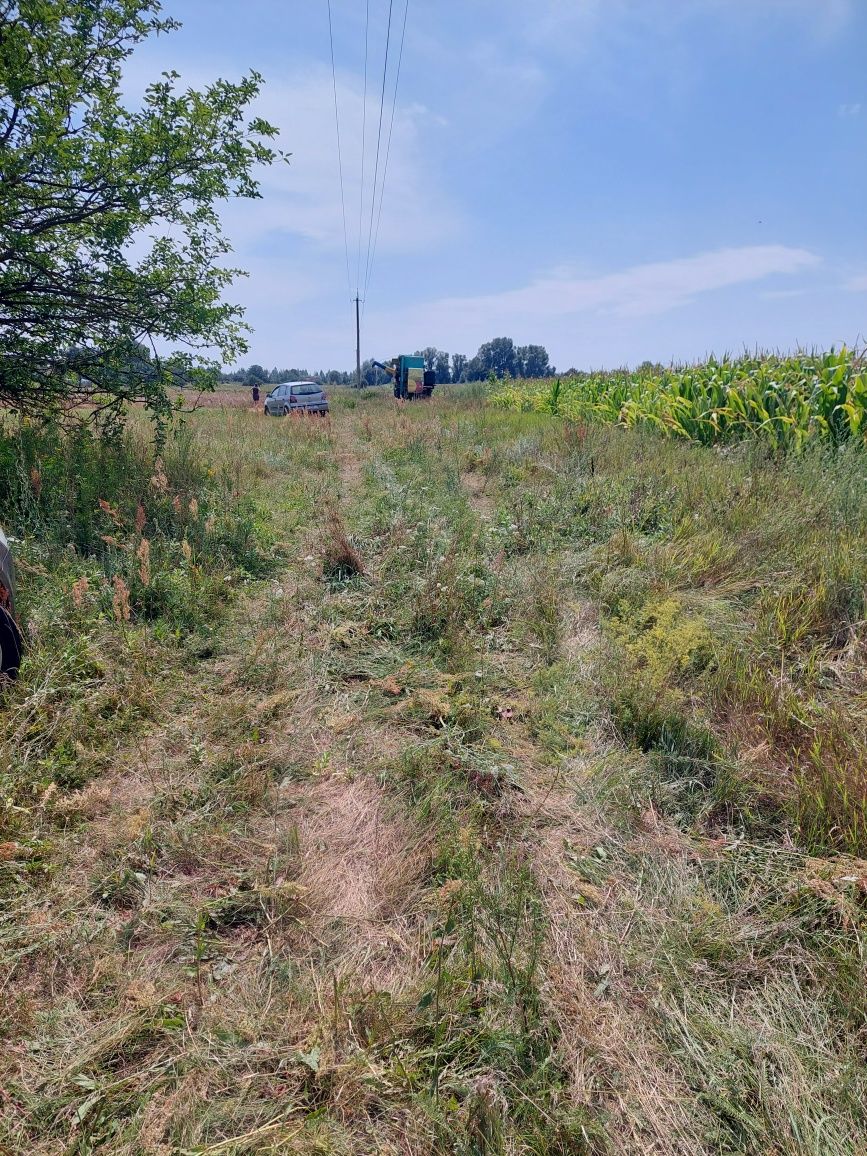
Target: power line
point(339, 156)
point(363, 145)
point(372, 256)
point(378, 138)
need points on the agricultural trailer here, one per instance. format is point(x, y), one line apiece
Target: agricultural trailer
point(411, 379)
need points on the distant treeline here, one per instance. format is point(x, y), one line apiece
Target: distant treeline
point(500, 357)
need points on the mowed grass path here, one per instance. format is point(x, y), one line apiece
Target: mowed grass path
point(487, 849)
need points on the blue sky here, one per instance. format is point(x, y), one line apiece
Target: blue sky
point(614, 179)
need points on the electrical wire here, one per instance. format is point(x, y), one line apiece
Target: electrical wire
point(363, 145)
point(372, 256)
point(339, 154)
point(378, 139)
point(377, 193)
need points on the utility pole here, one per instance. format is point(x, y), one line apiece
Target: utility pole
point(357, 344)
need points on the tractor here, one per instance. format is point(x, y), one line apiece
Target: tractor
point(411, 379)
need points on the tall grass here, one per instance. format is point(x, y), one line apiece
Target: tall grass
point(113, 515)
point(127, 561)
point(733, 595)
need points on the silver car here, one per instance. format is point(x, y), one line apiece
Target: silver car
point(294, 397)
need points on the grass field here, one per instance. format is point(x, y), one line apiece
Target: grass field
point(437, 779)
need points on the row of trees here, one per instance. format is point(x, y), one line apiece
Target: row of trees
point(500, 357)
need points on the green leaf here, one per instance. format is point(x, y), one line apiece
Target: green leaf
point(82, 1081)
point(84, 1109)
point(310, 1059)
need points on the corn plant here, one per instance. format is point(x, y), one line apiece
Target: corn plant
point(787, 402)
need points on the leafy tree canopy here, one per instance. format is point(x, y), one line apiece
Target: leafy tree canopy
point(256, 375)
point(109, 234)
point(497, 357)
point(459, 365)
point(532, 361)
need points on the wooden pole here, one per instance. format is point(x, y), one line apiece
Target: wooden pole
point(357, 345)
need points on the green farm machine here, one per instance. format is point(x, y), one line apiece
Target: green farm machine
point(411, 379)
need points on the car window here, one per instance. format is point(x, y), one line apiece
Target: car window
point(279, 392)
point(305, 390)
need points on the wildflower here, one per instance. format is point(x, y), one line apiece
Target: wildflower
point(36, 481)
point(449, 891)
point(107, 508)
point(143, 553)
point(176, 504)
point(159, 481)
point(194, 508)
point(210, 524)
point(140, 518)
point(467, 838)
point(186, 549)
point(120, 599)
point(79, 590)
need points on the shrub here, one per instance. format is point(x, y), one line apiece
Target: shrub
point(110, 510)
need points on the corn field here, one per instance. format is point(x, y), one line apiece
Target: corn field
point(786, 401)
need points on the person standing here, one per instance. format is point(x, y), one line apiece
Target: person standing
point(255, 392)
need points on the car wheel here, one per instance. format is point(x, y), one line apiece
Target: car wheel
point(10, 644)
point(285, 411)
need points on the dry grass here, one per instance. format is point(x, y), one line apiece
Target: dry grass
point(610, 1049)
point(340, 559)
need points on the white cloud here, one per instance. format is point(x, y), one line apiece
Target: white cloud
point(857, 284)
point(783, 294)
point(661, 39)
point(560, 304)
point(303, 198)
point(642, 290)
point(825, 17)
point(551, 17)
point(847, 110)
